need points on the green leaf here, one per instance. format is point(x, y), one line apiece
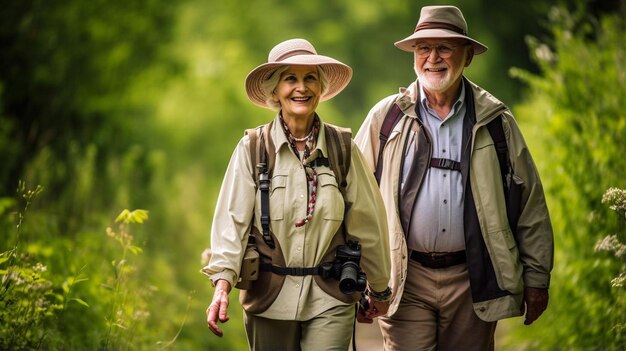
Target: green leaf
point(80, 301)
point(3, 259)
point(80, 280)
point(138, 216)
point(123, 216)
point(135, 249)
point(65, 286)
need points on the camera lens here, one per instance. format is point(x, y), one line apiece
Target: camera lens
point(348, 278)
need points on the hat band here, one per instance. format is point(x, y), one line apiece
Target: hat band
point(293, 53)
point(440, 25)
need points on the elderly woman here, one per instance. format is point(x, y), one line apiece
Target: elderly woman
point(322, 225)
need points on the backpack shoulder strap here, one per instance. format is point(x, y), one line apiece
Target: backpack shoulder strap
point(253, 137)
point(391, 119)
point(497, 134)
point(262, 157)
point(262, 149)
point(339, 146)
point(512, 189)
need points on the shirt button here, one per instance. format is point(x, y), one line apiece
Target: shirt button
point(445, 201)
point(297, 285)
point(443, 230)
point(445, 175)
point(444, 150)
point(299, 248)
point(301, 196)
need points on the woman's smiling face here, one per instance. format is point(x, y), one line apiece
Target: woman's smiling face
point(298, 91)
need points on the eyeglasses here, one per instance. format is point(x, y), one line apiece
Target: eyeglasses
point(443, 50)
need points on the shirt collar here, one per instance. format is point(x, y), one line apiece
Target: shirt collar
point(455, 108)
point(280, 139)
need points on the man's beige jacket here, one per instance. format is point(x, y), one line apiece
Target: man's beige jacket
point(524, 259)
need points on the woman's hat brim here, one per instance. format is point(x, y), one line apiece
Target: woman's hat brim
point(338, 75)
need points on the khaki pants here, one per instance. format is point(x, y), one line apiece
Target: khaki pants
point(436, 313)
point(331, 330)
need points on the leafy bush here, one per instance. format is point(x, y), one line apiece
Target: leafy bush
point(94, 307)
point(576, 124)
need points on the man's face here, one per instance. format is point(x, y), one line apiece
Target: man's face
point(439, 63)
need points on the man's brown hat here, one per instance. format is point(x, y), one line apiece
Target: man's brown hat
point(439, 22)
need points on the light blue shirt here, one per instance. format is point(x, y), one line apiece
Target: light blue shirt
point(437, 217)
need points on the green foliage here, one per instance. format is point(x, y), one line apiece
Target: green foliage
point(98, 306)
point(576, 124)
point(139, 104)
point(28, 299)
point(615, 244)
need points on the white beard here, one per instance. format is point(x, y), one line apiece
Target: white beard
point(437, 85)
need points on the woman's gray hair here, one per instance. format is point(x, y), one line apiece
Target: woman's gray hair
point(270, 84)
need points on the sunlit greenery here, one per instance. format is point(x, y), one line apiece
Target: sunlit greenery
point(113, 105)
point(576, 119)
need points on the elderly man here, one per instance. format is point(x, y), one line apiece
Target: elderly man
point(470, 234)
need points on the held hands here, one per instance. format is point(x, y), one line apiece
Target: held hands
point(218, 309)
point(370, 309)
point(535, 302)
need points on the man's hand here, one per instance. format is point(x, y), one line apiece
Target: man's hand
point(535, 302)
point(370, 309)
point(218, 309)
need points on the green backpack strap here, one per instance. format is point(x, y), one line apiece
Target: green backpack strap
point(262, 149)
point(339, 146)
point(262, 157)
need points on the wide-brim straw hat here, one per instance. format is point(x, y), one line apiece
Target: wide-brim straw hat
point(439, 22)
point(297, 52)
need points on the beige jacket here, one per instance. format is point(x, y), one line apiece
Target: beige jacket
point(525, 259)
point(362, 214)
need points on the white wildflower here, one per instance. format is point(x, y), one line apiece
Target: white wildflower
point(616, 198)
point(619, 281)
point(608, 243)
point(39, 268)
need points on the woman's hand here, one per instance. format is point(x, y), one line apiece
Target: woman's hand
point(371, 309)
point(218, 309)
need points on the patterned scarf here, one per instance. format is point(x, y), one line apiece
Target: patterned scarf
point(311, 174)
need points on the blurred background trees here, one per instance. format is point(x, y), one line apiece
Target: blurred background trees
point(114, 105)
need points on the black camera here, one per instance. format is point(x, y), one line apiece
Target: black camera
point(346, 268)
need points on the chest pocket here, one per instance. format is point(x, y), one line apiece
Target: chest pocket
point(277, 196)
point(330, 204)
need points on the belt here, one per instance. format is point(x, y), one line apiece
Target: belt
point(437, 260)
